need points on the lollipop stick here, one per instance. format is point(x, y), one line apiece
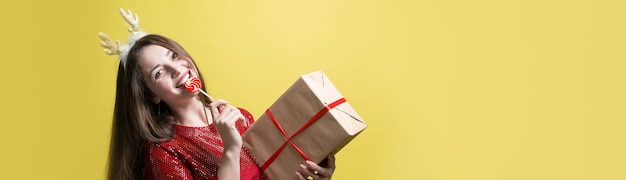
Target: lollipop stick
point(207, 95)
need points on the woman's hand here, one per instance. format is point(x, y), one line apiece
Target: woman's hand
point(323, 171)
point(225, 118)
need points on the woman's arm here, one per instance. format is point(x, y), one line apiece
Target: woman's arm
point(229, 167)
point(225, 118)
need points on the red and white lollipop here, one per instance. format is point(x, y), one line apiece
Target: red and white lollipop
point(194, 84)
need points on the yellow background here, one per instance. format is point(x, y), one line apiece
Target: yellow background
point(472, 90)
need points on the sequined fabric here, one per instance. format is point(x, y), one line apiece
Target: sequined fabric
point(194, 153)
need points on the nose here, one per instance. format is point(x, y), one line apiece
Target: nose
point(176, 72)
point(175, 69)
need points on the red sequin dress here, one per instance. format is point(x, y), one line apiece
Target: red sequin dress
point(194, 153)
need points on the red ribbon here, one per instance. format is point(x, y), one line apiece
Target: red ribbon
point(308, 123)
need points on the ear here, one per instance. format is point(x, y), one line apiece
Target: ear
point(156, 100)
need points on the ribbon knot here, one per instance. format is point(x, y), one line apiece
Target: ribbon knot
point(308, 123)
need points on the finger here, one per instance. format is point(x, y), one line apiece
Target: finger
point(243, 121)
point(229, 118)
point(223, 108)
point(214, 112)
point(239, 114)
point(236, 113)
point(316, 169)
point(331, 161)
point(307, 170)
point(220, 108)
point(219, 102)
point(231, 108)
point(300, 176)
point(215, 106)
point(224, 115)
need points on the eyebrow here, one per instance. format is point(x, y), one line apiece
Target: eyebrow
point(167, 54)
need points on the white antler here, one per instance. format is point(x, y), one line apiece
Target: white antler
point(111, 48)
point(117, 48)
point(132, 19)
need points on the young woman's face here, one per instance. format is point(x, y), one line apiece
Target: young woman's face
point(165, 72)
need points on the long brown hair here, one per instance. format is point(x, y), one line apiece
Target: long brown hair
point(136, 119)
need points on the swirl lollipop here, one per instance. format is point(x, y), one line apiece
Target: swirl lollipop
point(194, 84)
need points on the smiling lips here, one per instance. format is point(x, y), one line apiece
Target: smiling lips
point(192, 84)
point(182, 80)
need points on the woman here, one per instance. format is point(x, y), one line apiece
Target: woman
point(162, 131)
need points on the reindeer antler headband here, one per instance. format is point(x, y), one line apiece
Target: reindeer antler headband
point(116, 48)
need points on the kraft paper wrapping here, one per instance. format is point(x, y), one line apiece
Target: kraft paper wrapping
point(311, 94)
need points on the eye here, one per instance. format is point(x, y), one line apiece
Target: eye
point(174, 55)
point(158, 74)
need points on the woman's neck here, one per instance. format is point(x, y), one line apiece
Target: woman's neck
point(193, 114)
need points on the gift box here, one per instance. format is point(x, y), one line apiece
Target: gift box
point(308, 122)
